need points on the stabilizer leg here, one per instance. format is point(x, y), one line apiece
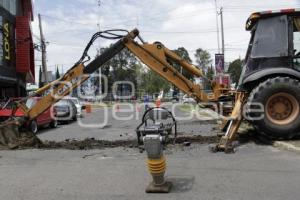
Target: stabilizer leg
point(226, 142)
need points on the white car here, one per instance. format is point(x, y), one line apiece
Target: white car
point(78, 105)
point(186, 99)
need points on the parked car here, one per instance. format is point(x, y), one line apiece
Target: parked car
point(65, 110)
point(79, 106)
point(188, 100)
point(45, 119)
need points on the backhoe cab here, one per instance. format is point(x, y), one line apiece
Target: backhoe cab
point(271, 72)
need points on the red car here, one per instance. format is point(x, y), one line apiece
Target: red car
point(45, 119)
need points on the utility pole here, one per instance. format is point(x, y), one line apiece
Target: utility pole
point(217, 23)
point(222, 30)
point(99, 52)
point(43, 48)
point(100, 71)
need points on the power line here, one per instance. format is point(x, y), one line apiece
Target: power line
point(186, 32)
point(187, 15)
point(163, 13)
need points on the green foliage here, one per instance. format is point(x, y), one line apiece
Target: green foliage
point(153, 83)
point(57, 75)
point(122, 67)
point(234, 70)
point(203, 58)
point(184, 54)
point(125, 67)
point(210, 73)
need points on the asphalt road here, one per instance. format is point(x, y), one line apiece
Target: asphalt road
point(253, 172)
point(112, 124)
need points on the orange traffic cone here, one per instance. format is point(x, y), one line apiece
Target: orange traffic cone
point(158, 103)
point(88, 108)
point(138, 108)
point(117, 108)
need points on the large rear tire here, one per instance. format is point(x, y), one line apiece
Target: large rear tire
point(280, 97)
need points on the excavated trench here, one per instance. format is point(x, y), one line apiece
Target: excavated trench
point(24, 140)
point(92, 143)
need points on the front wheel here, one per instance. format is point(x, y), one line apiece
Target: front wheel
point(53, 124)
point(33, 127)
point(280, 99)
point(74, 118)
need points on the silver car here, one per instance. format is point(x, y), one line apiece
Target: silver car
point(188, 100)
point(78, 105)
point(65, 110)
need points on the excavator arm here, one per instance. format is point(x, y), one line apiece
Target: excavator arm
point(74, 77)
point(160, 59)
point(157, 57)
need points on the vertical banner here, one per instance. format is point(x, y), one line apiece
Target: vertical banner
point(7, 40)
point(219, 63)
point(7, 46)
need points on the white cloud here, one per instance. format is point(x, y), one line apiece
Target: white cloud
point(190, 23)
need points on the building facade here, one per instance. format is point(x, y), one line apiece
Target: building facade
point(16, 49)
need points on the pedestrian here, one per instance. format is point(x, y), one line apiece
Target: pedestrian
point(146, 101)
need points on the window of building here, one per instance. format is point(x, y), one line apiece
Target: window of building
point(9, 5)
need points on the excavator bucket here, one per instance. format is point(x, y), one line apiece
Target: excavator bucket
point(11, 137)
point(232, 125)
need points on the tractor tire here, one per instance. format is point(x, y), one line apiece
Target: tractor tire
point(280, 99)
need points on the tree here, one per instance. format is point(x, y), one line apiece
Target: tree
point(203, 58)
point(153, 83)
point(57, 75)
point(184, 54)
point(210, 73)
point(121, 67)
point(234, 70)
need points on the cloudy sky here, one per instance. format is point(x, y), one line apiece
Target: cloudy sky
point(69, 24)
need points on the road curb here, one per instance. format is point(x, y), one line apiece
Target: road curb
point(286, 146)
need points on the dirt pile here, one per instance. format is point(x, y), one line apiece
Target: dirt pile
point(88, 143)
